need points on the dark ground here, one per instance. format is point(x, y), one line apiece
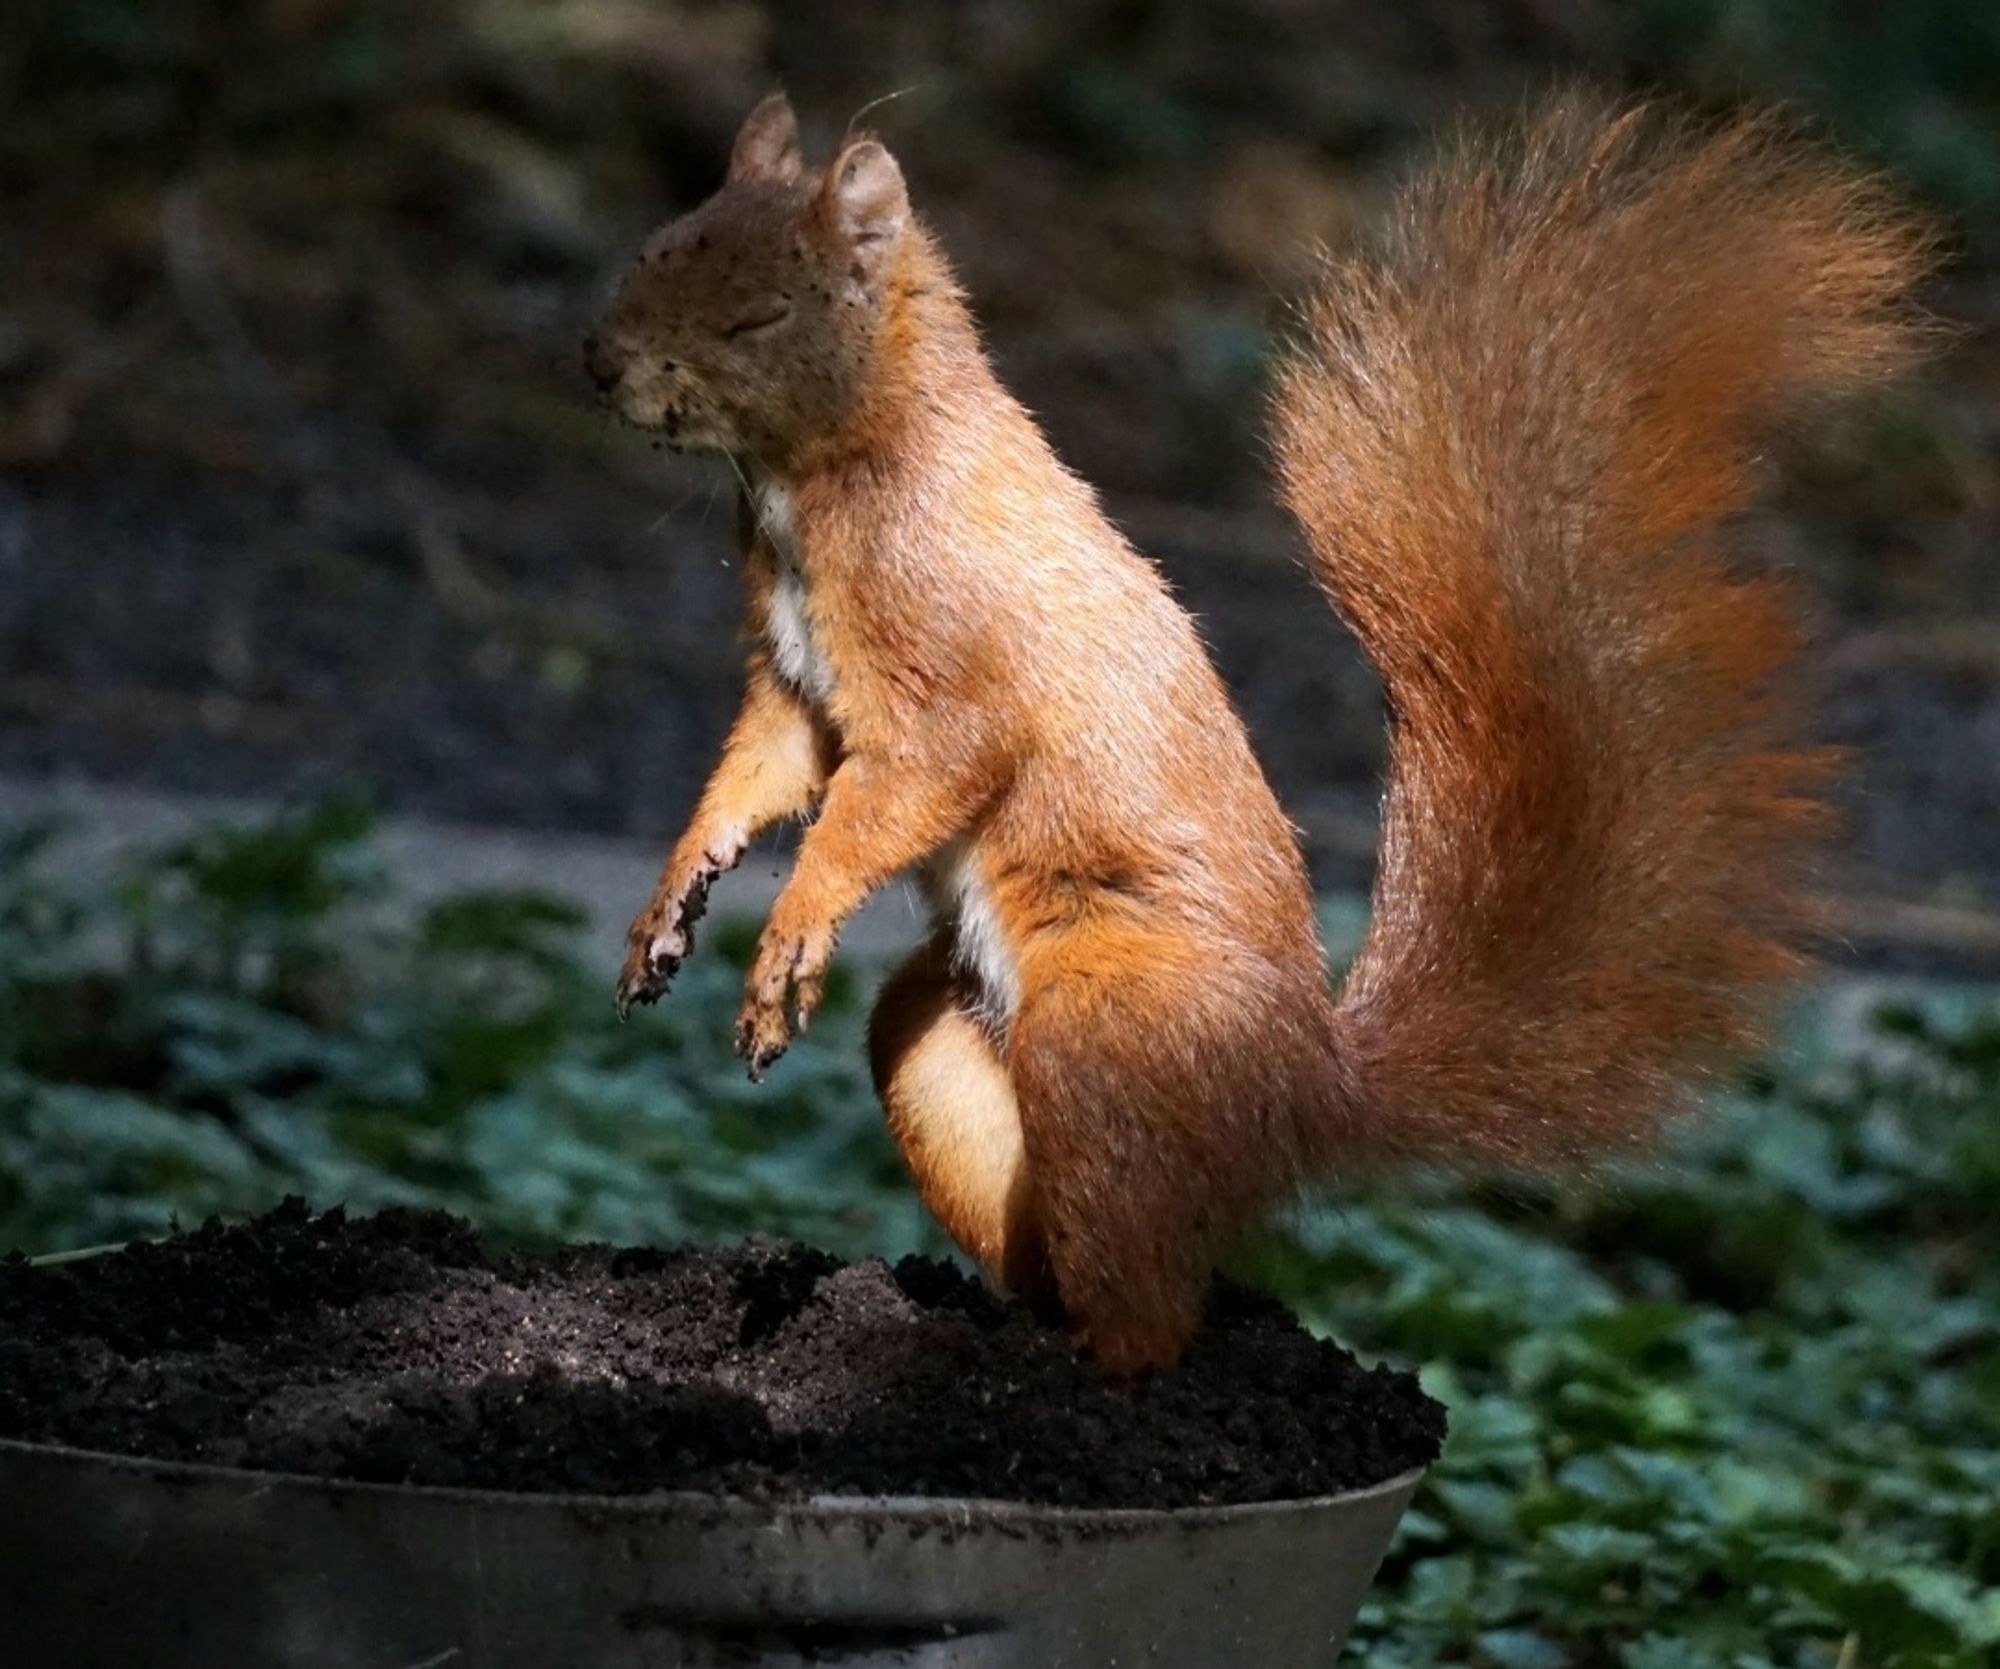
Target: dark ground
point(299, 486)
point(396, 1349)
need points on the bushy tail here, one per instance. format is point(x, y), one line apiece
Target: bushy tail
point(1513, 437)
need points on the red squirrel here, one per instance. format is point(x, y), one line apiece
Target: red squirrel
point(1512, 434)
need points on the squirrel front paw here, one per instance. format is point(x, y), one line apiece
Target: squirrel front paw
point(787, 978)
point(662, 935)
point(651, 960)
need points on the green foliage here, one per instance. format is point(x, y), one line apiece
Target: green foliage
point(1742, 1408)
point(1739, 1408)
point(248, 1014)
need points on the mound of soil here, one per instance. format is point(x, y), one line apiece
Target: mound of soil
point(398, 1348)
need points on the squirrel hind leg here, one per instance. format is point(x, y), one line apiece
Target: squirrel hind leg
point(1142, 1106)
point(1129, 1265)
point(1140, 1060)
point(950, 1105)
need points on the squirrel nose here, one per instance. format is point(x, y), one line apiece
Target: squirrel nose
point(601, 363)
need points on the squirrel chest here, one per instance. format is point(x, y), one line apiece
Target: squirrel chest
point(954, 879)
point(795, 654)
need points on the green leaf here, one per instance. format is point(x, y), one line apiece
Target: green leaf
point(1520, 1648)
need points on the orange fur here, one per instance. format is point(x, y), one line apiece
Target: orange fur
point(1589, 878)
point(1510, 439)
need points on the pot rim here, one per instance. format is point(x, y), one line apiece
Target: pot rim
point(930, 1511)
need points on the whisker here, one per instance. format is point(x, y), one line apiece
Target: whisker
point(756, 503)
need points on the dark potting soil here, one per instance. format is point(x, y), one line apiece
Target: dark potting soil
point(399, 1348)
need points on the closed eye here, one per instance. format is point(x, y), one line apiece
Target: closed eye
point(765, 318)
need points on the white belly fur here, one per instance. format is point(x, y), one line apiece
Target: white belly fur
point(795, 655)
point(962, 901)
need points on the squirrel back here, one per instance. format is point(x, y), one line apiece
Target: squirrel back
point(1514, 437)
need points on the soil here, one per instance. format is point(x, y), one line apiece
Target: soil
point(400, 1349)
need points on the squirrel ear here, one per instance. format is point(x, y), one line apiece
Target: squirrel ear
point(767, 147)
point(865, 202)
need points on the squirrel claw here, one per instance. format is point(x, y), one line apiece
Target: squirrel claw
point(647, 975)
point(760, 1039)
point(758, 1057)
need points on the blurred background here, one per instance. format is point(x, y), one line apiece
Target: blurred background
point(300, 489)
point(355, 670)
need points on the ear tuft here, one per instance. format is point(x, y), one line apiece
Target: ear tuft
point(767, 147)
point(866, 203)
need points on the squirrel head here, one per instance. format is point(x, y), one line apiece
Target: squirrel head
point(749, 324)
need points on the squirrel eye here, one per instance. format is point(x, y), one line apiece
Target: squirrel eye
point(763, 319)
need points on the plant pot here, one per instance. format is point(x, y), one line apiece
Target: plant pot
point(107, 1561)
